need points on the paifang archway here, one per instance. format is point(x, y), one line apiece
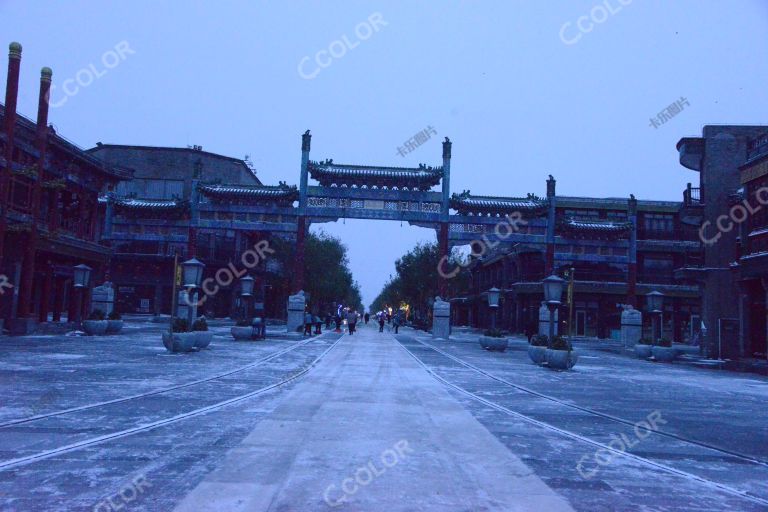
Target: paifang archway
point(407, 194)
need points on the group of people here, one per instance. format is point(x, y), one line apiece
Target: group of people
point(352, 317)
point(396, 320)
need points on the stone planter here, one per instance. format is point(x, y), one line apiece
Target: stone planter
point(242, 333)
point(114, 326)
point(537, 354)
point(561, 359)
point(643, 351)
point(494, 344)
point(203, 338)
point(664, 354)
point(179, 341)
point(95, 327)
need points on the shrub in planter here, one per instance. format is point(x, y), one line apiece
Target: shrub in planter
point(560, 355)
point(114, 322)
point(243, 329)
point(182, 340)
point(643, 349)
point(494, 339)
point(180, 325)
point(95, 325)
point(537, 350)
point(663, 351)
point(201, 334)
point(560, 343)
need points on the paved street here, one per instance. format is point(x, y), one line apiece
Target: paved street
point(369, 422)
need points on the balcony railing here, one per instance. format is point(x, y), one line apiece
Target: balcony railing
point(692, 196)
point(758, 147)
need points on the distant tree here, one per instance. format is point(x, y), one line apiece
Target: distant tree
point(417, 279)
point(327, 278)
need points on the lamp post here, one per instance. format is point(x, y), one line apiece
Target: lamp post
point(246, 293)
point(493, 303)
point(655, 301)
point(82, 275)
point(553, 291)
point(192, 275)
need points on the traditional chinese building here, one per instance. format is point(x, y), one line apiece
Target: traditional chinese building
point(729, 160)
point(752, 265)
point(617, 250)
point(49, 217)
point(191, 203)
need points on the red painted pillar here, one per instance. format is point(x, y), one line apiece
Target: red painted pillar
point(549, 259)
point(72, 302)
point(53, 210)
point(11, 95)
point(58, 298)
point(632, 254)
point(442, 242)
point(298, 268)
point(30, 251)
point(192, 243)
point(45, 296)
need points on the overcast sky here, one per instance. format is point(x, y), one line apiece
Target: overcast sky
point(523, 89)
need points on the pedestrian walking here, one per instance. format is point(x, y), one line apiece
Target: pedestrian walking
point(327, 320)
point(382, 319)
point(351, 320)
point(397, 320)
point(318, 325)
point(307, 323)
point(367, 317)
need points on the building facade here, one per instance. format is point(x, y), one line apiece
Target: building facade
point(185, 202)
point(49, 217)
point(726, 158)
point(752, 266)
point(615, 250)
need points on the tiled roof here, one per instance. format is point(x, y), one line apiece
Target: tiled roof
point(131, 203)
point(597, 226)
point(422, 177)
point(281, 192)
point(467, 203)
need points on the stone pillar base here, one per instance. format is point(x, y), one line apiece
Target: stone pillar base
point(296, 305)
point(631, 327)
point(441, 319)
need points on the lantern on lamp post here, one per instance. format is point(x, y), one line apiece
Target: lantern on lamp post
point(246, 293)
point(553, 291)
point(82, 276)
point(493, 303)
point(655, 303)
point(192, 275)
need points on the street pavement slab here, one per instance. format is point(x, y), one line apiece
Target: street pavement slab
point(369, 429)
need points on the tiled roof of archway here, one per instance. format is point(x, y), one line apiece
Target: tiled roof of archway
point(282, 192)
point(465, 203)
point(421, 178)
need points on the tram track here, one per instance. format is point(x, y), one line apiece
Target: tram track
point(581, 438)
point(94, 405)
point(291, 376)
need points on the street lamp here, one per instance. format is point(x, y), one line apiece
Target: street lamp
point(192, 275)
point(82, 275)
point(553, 291)
point(193, 272)
point(246, 293)
point(655, 302)
point(246, 286)
point(493, 303)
